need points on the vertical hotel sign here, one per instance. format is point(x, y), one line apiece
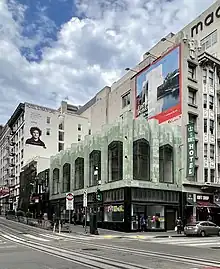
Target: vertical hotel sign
point(190, 150)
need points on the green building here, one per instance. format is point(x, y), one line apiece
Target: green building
point(135, 165)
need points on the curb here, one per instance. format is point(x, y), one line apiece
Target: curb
point(167, 236)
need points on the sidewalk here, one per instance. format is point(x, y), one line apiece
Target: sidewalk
point(103, 233)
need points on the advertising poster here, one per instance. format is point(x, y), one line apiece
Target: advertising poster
point(35, 137)
point(158, 93)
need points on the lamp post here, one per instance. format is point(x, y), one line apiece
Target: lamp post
point(150, 54)
point(130, 69)
point(164, 39)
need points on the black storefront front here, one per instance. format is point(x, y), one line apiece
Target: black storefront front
point(121, 209)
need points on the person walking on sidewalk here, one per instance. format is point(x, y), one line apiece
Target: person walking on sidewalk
point(143, 224)
point(179, 225)
point(83, 220)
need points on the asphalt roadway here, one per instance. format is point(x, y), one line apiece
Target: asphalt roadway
point(25, 247)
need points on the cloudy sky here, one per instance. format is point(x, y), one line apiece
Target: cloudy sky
point(69, 49)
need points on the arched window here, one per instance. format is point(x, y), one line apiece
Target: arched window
point(95, 168)
point(79, 173)
point(66, 177)
point(115, 161)
point(166, 172)
point(141, 160)
point(56, 178)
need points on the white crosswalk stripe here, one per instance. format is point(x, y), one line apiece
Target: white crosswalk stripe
point(64, 237)
point(190, 242)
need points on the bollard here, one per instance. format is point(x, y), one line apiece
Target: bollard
point(54, 227)
point(59, 227)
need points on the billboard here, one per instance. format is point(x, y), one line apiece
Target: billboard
point(158, 90)
point(35, 137)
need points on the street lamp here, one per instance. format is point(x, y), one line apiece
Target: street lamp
point(129, 69)
point(165, 39)
point(150, 54)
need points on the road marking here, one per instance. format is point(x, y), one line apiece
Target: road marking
point(191, 242)
point(203, 244)
point(36, 238)
point(51, 236)
point(9, 246)
point(75, 237)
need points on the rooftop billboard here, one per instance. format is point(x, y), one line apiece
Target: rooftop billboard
point(158, 91)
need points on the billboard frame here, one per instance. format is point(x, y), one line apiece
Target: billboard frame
point(153, 63)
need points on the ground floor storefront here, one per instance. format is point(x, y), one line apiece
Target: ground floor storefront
point(39, 205)
point(201, 207)
point(123, 209)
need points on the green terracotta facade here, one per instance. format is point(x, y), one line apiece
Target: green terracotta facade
point(126, 130)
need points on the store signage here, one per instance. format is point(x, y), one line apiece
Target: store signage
point(190, 150)
point(209, 19)
point(202, 197)
point(69, 201)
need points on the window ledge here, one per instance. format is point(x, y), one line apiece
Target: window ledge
point(192, 105)
point(193, 80)
point(164, 182)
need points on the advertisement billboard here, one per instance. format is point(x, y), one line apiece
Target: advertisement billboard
point(39, 137)
point(158, 91)
point(35, 137)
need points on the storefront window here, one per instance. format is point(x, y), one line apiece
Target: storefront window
point(114, 213)
point(155, 217)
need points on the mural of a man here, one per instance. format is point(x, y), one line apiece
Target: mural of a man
point(35, 139)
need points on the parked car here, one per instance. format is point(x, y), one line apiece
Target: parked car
point(202, 228)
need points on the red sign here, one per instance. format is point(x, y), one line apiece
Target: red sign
point(4, 191)
point(69, 196)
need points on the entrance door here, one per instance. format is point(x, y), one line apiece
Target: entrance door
point(170, 219)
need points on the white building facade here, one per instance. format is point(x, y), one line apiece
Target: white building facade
point(36, 133)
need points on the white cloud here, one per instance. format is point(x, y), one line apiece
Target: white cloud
point(88, 54)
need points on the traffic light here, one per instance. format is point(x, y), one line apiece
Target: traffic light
point(98, 195)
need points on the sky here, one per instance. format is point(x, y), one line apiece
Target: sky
point(53, 50)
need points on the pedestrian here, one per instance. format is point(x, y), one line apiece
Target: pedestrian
point(209, 218)
point(83, 220)
point(179, 224)
point(143, 224)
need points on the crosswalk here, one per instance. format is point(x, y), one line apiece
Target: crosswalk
point(44, 237)
point(206, 242)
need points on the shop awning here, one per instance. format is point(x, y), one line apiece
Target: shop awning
point(205, 204)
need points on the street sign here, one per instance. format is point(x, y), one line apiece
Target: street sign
point(69, 201)
point(85, 198)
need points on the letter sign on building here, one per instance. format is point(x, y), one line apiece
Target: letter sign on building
point(209, 19)
point(190, 150)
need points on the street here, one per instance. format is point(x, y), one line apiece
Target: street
point(23, 246)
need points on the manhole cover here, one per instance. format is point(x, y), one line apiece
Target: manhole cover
point(90, 249)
